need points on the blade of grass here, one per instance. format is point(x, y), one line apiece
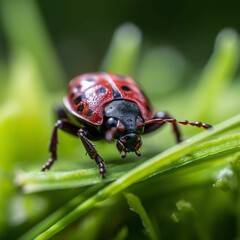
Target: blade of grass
point(218, 72)
point(135, 205)
point(38, 181)
point(135, 175)
point(204, 175)
point(42, 226)
point(41, 181)
point(122, 234)
point(123, 52)
point(25, 29)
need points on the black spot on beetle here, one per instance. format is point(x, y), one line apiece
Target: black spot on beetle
point(77, 100)
point(126, 88)
point(91, 79)
point(78, 87)
point(80, 108)
point(101, 90)
point(120, 77)
point(90, 113)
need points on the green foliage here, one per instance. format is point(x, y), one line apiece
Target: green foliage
point(185, 189)
point(136, 206)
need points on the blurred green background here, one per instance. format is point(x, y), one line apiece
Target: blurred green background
point(185, 54)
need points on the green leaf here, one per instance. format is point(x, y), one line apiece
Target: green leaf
point(146, 169)
point(217, 74)
point(56, 216)
point(136, 206)
point(124, 49)
point(32, 37)
point(42, 181)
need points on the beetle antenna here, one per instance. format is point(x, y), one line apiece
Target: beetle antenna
point(174, 121)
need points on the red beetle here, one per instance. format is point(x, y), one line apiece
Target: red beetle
point(109, 106)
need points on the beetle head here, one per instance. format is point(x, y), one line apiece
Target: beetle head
point(130, 142)
point(127, 140)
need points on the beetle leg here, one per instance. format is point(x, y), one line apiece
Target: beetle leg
point(67, 127)
point(60, 112)
point(163, 115)
point(91, 151)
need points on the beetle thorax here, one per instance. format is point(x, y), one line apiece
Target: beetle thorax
point(126, 112)
point(124, 123)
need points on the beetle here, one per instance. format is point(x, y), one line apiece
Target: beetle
point(111, 107)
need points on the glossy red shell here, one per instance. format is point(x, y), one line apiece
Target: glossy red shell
point(89, 93)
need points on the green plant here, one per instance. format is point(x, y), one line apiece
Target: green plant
point(188, 190)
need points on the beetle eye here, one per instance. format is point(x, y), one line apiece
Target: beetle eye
point(111, 122)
